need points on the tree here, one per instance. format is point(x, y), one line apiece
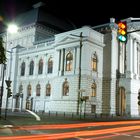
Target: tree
point(2, 52)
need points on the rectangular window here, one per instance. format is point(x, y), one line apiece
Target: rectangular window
point(94, 65)
point(93, 94)
point(93, 108)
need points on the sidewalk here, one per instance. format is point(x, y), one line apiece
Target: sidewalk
point(17, 119)
point(53, 118)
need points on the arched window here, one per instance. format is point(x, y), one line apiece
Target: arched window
point(23, 69)
point(93, 89)
point(65, 88)
point(38, 90)
point(48, 89)
point(29, 89)
point(31, 69)
point(40, 66)
point(20, 89)
point(69, 60)
point(94, 62)
point(50, 65)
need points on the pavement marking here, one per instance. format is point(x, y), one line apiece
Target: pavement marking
point(79, 138)
point(123, 134)
point(116, 133)
point(5, 126)
point(34, 114)
point(37, 132)
point(126, 135)
point(137, 137)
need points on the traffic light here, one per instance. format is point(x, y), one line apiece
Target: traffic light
point(122, 31)
point(139, 98)
point(9, 92)
point(2, 52)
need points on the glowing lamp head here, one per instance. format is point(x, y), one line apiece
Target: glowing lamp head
point(12, 28)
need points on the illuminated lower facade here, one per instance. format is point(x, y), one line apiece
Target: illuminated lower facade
point(48, 76)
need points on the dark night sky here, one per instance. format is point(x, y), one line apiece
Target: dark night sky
point(80, 12)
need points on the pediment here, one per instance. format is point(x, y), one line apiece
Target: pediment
point(66, 39)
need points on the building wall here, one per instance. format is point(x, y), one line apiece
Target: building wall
point(64, 43)
point(131, 81)
point(110, 67)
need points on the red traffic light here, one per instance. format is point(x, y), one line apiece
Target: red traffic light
point(122, 25)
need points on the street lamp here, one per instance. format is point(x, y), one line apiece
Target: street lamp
point(12, 28)
point(2, 84)
point(2, 62)
point(79, 75)
point(80, 99)
point(10, 70)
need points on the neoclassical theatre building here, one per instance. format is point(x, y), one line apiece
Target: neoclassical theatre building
point(54, 66)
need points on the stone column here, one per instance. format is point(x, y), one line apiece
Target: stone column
point(36, 65)
point(130, 55)
point(135, 56)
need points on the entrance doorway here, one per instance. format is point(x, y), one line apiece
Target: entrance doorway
point(29, 103)
point(121, 101)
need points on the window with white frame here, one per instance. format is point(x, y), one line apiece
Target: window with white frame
point(94, 62)
point(48, 89)
point(31, 68)
point(50, 65)
point(93, 89)
point(65, 88)
point(29, 89)
point(69, 60)
point(22, 68)
point(40, 66)
point(38, 90)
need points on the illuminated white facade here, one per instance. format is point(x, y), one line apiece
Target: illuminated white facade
point(57, 49)
point(53, 71)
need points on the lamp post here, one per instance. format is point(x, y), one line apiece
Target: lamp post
point(10, 69)
point(2, 62)
point(80, 99)
point(79, 75)
point(9, 94)
point(2, 84)
point(12, 28)
point(79, 103)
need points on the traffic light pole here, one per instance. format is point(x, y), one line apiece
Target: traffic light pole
point(139, 98)
point(1, 95)
point(8, 83)
point(6, 105)
point(79, 75)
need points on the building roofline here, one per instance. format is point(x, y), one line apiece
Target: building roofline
point(100, 26)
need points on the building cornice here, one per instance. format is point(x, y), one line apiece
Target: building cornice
point(106, 28)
